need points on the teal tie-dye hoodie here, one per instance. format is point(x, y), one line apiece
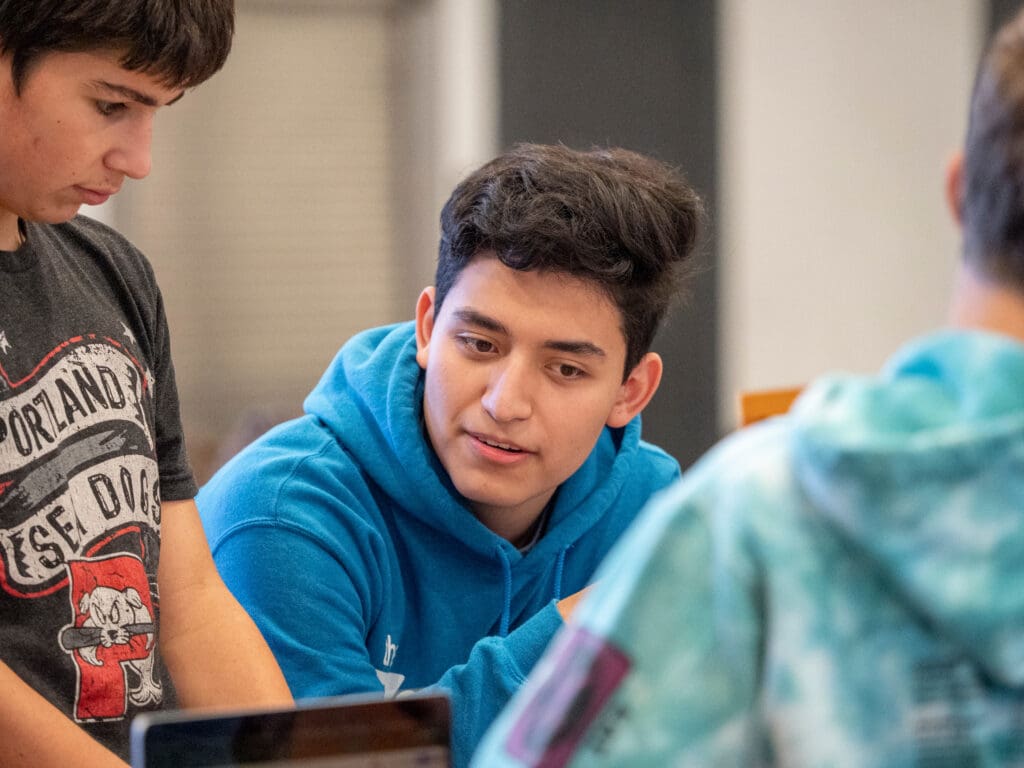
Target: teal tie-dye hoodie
point(842, 586)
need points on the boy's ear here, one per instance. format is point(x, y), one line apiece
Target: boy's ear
point(637, 390)
point(424, 324)
point(954, 187)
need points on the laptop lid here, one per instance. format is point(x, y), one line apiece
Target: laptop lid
point(336, 732)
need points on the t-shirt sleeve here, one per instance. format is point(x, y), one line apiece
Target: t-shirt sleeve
point(176, 479)
point(133, 285)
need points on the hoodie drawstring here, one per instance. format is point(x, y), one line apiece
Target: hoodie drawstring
point(559, 567)
point(506, 609)
point(506, 568)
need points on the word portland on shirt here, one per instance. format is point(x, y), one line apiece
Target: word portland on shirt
point(76, 459)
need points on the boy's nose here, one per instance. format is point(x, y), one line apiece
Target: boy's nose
point(508, 397)
point(132, 156)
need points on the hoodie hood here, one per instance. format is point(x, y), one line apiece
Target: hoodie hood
point(371, 400)
point(922, 469)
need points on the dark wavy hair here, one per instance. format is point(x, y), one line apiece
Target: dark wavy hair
point(617, 219)
point(180, 42)
point(992, 190)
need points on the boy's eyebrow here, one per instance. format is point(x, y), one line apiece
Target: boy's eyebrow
point(473, 317)
point(575, 347)
point(134, 95)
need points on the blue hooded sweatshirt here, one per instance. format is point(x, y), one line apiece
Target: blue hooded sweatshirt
point(841, 586)
point(342, 535)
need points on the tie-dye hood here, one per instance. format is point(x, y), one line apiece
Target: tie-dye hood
point(922, 469)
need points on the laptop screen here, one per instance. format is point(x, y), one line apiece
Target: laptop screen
point(339, 732)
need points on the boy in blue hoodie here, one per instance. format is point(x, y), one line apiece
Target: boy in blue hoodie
point(453, 477)
point(844, 585)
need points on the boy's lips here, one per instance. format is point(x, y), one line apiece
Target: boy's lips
point(497, 442)
point(93, 196)
point(498, 450)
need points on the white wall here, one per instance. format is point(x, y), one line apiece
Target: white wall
point(837, 119)
point(445, 73)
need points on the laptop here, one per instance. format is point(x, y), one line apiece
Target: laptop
point(357, 731)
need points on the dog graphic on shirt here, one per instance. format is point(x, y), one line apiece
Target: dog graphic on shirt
point(116, 616)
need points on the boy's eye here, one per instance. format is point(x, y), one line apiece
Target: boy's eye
point(109, 108)
point(567, 371)
point(477, 345)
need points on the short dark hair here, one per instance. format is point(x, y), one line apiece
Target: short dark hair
point(181, 42)
point(622, 221)
point(992, 191)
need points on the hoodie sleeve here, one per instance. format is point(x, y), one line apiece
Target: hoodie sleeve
point(276, 531)
point(659, 665)
point(495, 670)
point(317, 635)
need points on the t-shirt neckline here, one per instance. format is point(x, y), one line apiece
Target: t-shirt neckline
point(21, 258)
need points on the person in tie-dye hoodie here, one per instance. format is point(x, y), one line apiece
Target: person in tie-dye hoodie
point(842, 585)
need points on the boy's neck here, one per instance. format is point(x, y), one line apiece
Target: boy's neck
point(982, 302)
point(516, 525)
point(10, 231)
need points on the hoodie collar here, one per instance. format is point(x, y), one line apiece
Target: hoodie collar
point(922, 469)
point(371, 400)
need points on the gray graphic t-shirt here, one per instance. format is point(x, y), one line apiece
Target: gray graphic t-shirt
point(90, 441)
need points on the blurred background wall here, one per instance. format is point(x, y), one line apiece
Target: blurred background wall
point(294, 197)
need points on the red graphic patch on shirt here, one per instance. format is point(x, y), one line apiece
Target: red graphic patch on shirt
point(558, 715)
point(112, 637)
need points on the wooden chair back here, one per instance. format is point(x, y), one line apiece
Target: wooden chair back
point(758, 404)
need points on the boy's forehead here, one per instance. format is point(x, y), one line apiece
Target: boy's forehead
point(104, 66)
point(555, 279)
point(487, 285)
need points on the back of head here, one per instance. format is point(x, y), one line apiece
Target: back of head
point(992, 189)
point(614, 218)
point(180, 42)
